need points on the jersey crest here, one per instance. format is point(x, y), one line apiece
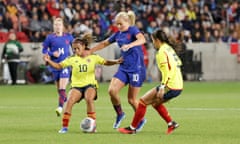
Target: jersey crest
point(67, 42)
point(128, 36)
point(88, 60)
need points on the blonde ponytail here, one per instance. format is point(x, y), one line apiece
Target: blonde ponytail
point(127, 16)
point(132, 17)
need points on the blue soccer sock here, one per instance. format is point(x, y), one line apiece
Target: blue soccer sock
point(118, 109)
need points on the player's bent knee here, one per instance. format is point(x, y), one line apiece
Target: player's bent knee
point(89, 99)
point(131, 101)
point(112, 92)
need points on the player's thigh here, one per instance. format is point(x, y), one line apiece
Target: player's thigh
point(116, 85)
point(150, 96)
point(64, 78)
point(90, 94)
point(74, 96)
point(63, 83)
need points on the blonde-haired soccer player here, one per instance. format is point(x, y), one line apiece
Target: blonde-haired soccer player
point(132, 71)
point(83, 82)
point(171, 84)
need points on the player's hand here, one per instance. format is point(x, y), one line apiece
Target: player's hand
point(125, 47)
point(120, 60)
point(160, 93)
point(56, 54)
point(46, 57)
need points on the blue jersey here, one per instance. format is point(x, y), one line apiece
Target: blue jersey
point(62, 44)
point(133, 58)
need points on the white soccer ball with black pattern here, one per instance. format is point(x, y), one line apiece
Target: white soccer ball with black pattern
point(88, 125)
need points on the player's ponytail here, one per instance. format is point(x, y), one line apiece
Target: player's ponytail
point(176, 45)
point(127, 16)
point(85, 40)
point(132, 17)
point(161, 35)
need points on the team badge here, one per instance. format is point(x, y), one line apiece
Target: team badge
point(67, 42)
point(128, 36)
point(88, 60)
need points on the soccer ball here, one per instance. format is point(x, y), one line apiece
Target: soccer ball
point(88, 125)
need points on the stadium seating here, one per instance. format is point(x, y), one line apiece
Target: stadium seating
point(22, 37)
point(3, 37)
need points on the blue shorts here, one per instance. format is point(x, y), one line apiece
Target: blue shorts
point(64, 73)
point(170, 93)
point(134, 79)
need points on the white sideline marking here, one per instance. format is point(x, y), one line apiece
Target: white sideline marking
point(105, 108)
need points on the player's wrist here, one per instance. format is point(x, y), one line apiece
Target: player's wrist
point(162, 86)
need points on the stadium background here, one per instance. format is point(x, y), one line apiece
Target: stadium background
point(210, 29)
point(208, 112)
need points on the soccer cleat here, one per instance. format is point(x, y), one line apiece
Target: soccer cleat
point(141, 125)
point(118, 120)
point(63, 130)
point(127, 130)
point(171, 127)
point(59, 111)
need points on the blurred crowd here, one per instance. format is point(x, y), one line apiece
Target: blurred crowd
point(190, 20)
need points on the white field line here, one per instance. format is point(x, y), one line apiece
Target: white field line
point(106, 108)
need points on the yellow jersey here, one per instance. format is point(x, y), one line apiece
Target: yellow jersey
point(83, 69)
point(170, 66)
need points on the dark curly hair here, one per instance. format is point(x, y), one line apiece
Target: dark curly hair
point(162, 36)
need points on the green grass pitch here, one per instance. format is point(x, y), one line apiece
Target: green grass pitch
point(208, 113)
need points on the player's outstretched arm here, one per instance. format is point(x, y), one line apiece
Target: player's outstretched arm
point(47, 59)
point(112, 62)
point(99, 46)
